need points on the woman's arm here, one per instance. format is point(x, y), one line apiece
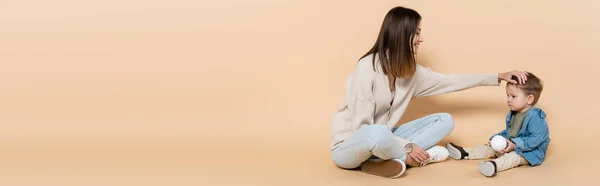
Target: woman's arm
point(434, 83)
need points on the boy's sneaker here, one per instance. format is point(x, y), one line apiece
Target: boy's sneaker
point(456, 152)
point(392, 168)
point(487, 168)
point(436, 154)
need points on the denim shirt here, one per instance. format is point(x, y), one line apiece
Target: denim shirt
point(534, 137)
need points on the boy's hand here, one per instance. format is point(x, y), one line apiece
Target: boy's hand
point(509, 148)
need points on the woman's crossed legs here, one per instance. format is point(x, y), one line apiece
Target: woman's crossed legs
point(374, 147)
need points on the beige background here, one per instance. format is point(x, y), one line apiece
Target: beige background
point(237, 92)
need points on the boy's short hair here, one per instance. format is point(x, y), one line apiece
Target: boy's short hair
point(534, 86)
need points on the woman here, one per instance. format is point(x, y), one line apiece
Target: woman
point(378, 92)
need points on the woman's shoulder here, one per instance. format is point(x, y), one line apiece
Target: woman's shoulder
point(422, 69)
point(365, 65)
point(422, 72)
point(366, 61)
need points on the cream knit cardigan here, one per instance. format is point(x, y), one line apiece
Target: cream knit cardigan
point(368, 97)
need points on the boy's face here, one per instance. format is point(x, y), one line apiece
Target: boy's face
point(516, 98)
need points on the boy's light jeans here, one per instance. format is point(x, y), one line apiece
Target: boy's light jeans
point(378, 141)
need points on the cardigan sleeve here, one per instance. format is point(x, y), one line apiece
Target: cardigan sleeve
point(434, 83)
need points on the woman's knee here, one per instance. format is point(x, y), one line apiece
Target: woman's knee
point(358, 147)
point(346, 163)
point(446, 122)
point(367, 141)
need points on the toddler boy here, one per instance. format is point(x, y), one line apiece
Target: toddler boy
point(526, 133)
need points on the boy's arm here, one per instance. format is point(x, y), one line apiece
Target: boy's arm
point(538, 134)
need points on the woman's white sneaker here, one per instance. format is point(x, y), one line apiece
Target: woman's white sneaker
point(436, 154)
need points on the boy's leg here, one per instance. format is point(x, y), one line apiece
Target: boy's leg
point(503, 163)
point(510, 160)
point(371, 140)
point(481, 152)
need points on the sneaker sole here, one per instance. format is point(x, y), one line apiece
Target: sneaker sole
point(387, 168)
point(454, 153)
point(486, 168)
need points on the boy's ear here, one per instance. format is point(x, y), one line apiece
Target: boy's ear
point(530, 99)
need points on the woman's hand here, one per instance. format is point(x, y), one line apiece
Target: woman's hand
point(418, 154)
point(507, 76)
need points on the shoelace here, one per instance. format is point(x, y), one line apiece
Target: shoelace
point(431, 158)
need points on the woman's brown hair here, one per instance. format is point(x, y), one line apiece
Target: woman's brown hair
point(394, 44)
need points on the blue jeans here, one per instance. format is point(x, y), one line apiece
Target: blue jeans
point(378, 141)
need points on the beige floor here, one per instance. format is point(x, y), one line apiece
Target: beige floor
point(268, 157)
point(282, 164)
point(187, 92)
